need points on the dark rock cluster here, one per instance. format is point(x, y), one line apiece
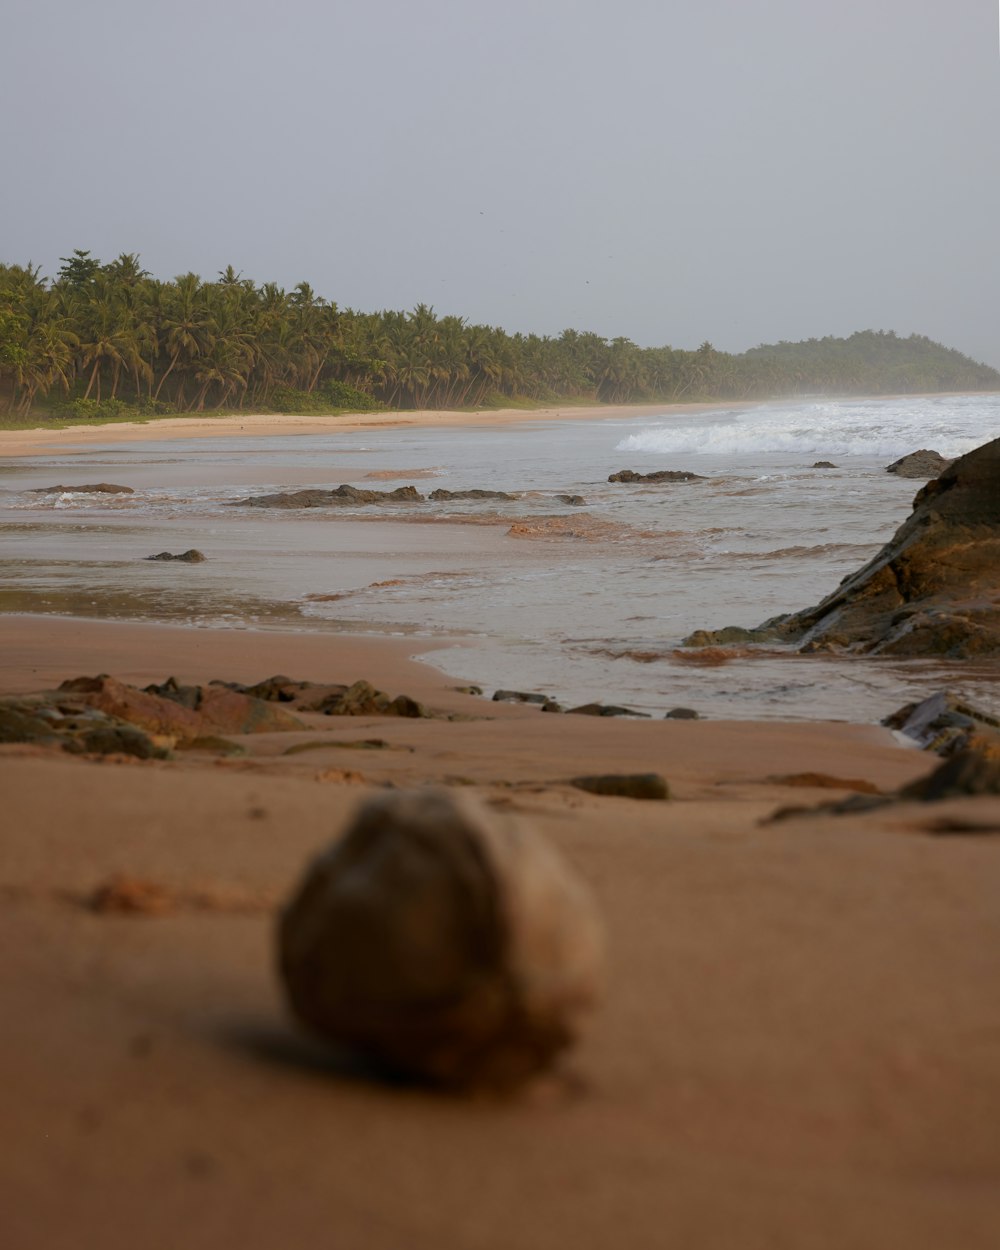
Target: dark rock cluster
point(92, 488)
point(102, 715)
point(353, 495)
point(661, 475)
point(191, 556)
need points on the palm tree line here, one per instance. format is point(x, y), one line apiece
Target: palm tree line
point(101, 333)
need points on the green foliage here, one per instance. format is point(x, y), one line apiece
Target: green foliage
point(110, 409)
point(348, 398)
point(13, 332)
point(288, 399)
point(106, 340)
point(79, 269)
point(331, 396)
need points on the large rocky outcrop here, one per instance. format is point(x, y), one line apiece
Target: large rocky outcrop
point(934, 589)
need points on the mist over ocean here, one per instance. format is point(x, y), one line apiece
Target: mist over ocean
point(584, 602)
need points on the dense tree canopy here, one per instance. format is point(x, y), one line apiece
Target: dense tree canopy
point(111, 332)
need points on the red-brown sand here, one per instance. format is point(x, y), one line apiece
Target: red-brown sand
point(800, 1046)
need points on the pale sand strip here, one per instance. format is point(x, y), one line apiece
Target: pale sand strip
point(269, 425)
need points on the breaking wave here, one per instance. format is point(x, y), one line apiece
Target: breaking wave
point(884, 428)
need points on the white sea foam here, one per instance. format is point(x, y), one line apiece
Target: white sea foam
point(888, 429)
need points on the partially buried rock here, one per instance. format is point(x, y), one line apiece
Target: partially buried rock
point(440, 942)
point(625, 785)
point(192, 556)
point(966, 773)
point(21, 722)
point(946, 724)
point(180, 711)
point(362, 699)
point(919, 464)
point(681, 713)
point(604, 709)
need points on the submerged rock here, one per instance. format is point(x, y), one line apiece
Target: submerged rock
point(440, 494)
point(519, 696)
point(191, 556)
point(921, 464)
point(92, 488)
point(824, 464)
point(661, 475)
point(342, 495)
point(931, 590)
point(441, 942)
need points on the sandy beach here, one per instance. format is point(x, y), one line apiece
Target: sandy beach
point(264, 425)
point(799, 1046)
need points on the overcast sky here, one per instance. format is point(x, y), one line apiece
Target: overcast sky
point(669, 170)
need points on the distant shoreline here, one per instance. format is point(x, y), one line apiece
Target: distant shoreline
point(37, 442)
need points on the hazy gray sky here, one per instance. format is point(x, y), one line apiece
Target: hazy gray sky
point(669, 170)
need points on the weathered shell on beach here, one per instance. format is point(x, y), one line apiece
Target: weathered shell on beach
point(441, 941)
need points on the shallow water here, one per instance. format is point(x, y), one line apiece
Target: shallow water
point(582, 602)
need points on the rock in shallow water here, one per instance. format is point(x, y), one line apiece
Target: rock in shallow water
point(441, 942)
point(191, 556)
point(91, 488)
point(920, 464)
point(931, 590)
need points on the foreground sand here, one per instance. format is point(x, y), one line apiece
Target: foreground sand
point(800, 1047)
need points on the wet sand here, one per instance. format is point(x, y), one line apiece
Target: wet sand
point(800, 1046)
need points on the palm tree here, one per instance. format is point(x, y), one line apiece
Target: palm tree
point(186, 327)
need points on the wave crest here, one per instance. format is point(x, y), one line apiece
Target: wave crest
point(843, 428)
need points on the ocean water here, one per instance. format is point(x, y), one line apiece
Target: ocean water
point(584, 602)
